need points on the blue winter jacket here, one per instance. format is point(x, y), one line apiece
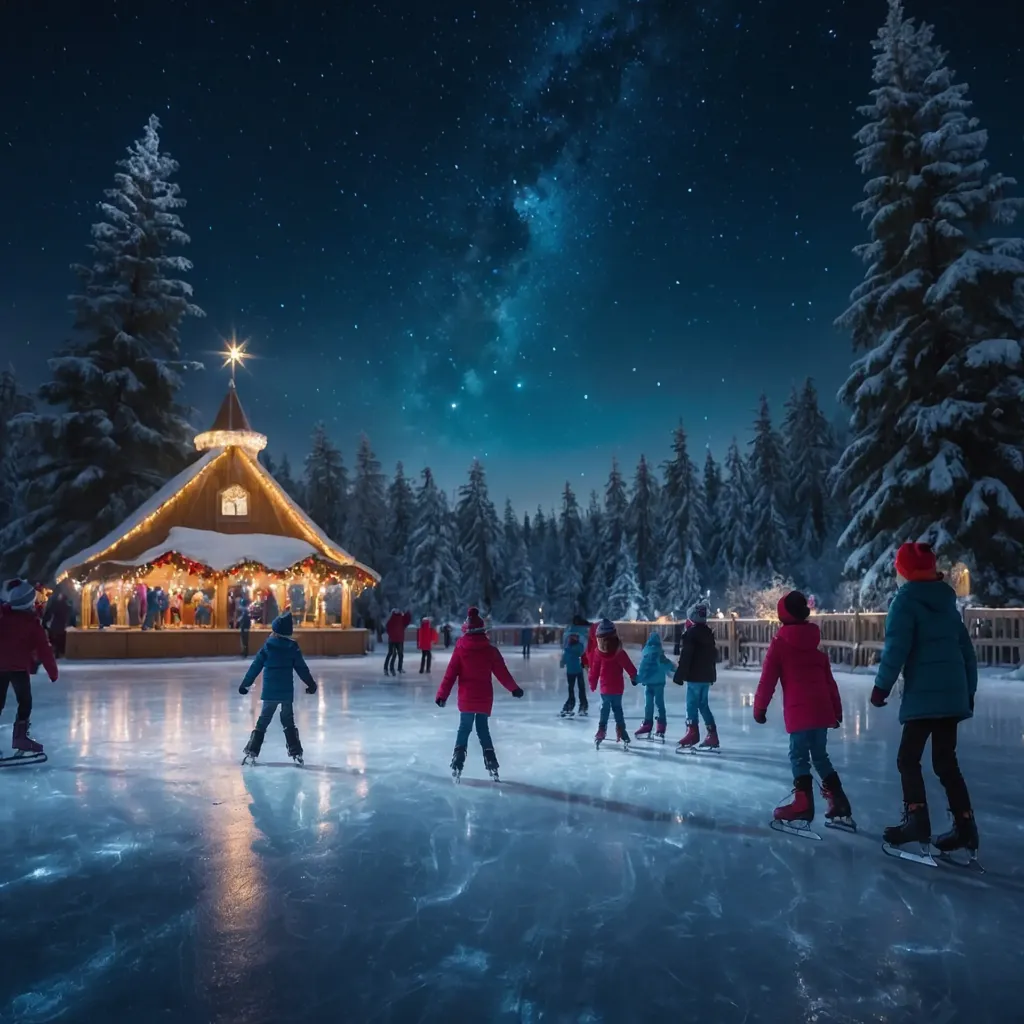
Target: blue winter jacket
point(926, 638)
point(277, 659)
point(572, 655)
point(653, 665)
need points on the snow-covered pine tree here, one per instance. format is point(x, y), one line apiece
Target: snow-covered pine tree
point(13, 402)
point(325, 484)
point(432, 562)
point(735, 514)
point(569, 595)
point(520, 597)
point(594, 585)
point(539, 548)
point(937, 398)
point(294, 489)
point(367, 523)
point(624, 599)
point(479, 539)
point(769, 538)
point(643, 530)
point(678, 584)
point(395, 585)
point(552, 563)
point(715, 571)
point(117, 432)
point(616, 511)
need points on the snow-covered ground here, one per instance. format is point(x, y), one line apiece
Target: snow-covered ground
point(146, 876)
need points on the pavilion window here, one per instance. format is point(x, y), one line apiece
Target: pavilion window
point(234, 501)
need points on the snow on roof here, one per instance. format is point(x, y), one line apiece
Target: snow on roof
point(221, 551)
point(142, 513)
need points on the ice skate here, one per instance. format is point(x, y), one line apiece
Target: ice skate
point(690, 740)
point(710, 742)
point(660, 731)
point(252, 748)
point(962, 836)
point(911, 839)
point(26, 749)
point(291, 738)
point(839, 814)
point(584, 710)
point(622, 736)
point(644, 730)
point(458, 763)
point(599, 737)
point(491, 764)
point(796, 816)
point(568, 710)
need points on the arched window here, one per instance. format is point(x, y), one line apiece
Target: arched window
point(234, 501)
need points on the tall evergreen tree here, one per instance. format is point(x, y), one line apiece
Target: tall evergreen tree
point(118, 431)
point(716, 571)
point(624, 599)
point(325, 484)
point(479, 539)
point(396, 584)
point(735, 514)
point(520, 597)
point(367, 522)
point(643, 530)
point(433, 564)
point(13, 402)
point(594, 585)
point(616, 510)
point(768, 552)
point(678, 584)
point(937, 397)
point(295, 490)
point(538, 549)
point(569, 596)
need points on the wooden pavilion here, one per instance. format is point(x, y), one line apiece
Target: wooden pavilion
point(220, 531)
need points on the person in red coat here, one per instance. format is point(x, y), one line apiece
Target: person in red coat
point(609, 666)
point(474, 660)
point(810, 707)
point(23, 647)
point(426, 637)
point(395, 628)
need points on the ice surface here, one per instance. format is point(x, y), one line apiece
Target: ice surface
point(145, 876)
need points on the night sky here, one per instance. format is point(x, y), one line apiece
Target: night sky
point(536, 232)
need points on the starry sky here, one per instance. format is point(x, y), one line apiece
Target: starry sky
point(536, 232)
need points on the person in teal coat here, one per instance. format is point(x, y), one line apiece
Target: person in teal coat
point(651, 672)
point(278, 659)
point(926, 640)
point(572, 662)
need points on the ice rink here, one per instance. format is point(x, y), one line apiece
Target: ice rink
point(146, 876)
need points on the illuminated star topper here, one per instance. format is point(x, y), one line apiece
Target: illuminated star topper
point(235, 355)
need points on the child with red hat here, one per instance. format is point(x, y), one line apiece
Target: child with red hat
point(926, 640)
point(609, 666)
point(810, 706)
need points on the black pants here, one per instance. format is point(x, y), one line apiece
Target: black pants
point(575, 678)
point(425, 658)
point(244, 636)
point(395, 655)
point(22, 692)
point(908, 761)
point(526, 650)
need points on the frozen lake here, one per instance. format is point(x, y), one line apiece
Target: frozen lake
point(145, 876)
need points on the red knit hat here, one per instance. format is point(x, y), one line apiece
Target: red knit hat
point(793, 608)
point(473, 623)
point(916, 562)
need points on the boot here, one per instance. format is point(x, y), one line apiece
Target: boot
point(621, 735)
point(710, 741)
point(291, 738)
point(599, 736)
point(458, 762)
point(962, 836)
point(491, 763)
point(692, 736)
point(916, 827)
point(568, 708)
point(584, 709)
point(22, 741)
point(660, 731)
point(838, 803)
point(644, 730)
point(801, 807)
point(252, 748)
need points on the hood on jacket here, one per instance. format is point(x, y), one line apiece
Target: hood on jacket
point(425, 621)
point(935, 595)
point(701, 633)
point(804, 635)
point(654, 645)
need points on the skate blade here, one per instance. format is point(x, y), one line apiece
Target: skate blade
point(706, 750)
point(973, 864)
point(801, 829)
point(22, 757)
point(924, 857)
point(298, 760)
point(846, 824)
point(248, 759)
point(457, 776)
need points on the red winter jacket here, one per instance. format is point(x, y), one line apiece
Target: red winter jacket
point(810, 697)
point(473, 662)
point(396, 625)
point(23, 644)
point(426, 636)
point(611, 668)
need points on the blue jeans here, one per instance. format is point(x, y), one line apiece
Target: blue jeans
point(267, 714)
point(611, 703)
point(466, 720)
point(655, 695)
point(697, 701)
point(806, 747)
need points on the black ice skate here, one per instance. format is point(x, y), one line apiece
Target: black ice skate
point(962, 836)
point(911, 839)
point(839, 814)
point(26, 750)
point(291, 737)
point(584, 710)
point(568, 710)
point(458, 762)
point(491, 764)
point(252, 748)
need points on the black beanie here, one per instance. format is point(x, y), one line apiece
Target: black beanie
point(796, 605)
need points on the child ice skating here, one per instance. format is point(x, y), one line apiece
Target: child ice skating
point(609, 665)
point(651, 674)
point(810, 706)
point(473, 662)
point(926, 639)
point(426, 637)
point(23, 647)
point(698, 670)
point(572, 662)
point(277, 659)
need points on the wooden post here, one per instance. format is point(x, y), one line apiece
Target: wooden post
point(220, 605)
point(734, 643)
point(346, 605)
point(857, 638)
point(86, 605)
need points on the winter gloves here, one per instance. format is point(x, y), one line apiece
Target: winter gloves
point(311, 688)
point(243, 689)
point(878, 697)
point(760, 716)
point(440, 701)
point(517, 692)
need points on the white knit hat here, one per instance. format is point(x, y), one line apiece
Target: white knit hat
point(21, 596)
